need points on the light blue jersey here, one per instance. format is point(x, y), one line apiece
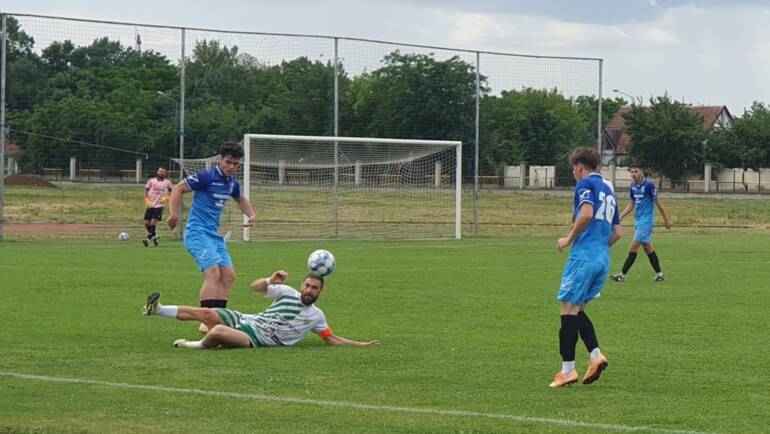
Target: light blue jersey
point(644, 196)
point(212, 190)
point(591, 243)
point(589, 261)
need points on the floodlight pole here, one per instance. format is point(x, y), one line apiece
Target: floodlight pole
point(599, 122)
point(2, 125)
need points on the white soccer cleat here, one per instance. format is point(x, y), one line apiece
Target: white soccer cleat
point(180, 343)
point(659, 277)
point(618, 277)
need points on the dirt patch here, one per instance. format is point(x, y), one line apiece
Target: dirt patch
point(28, 181)
point(68, 227)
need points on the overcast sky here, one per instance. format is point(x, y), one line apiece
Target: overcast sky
point(709, 52)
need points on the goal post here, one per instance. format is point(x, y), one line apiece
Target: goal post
point(321, 187)
point(352, 187)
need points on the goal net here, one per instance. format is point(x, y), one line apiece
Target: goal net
point(309, 187)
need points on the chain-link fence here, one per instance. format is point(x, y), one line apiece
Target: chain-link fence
point(105, 102)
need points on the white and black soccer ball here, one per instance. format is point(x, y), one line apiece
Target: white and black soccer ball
point(321, 263)
point(123, 236)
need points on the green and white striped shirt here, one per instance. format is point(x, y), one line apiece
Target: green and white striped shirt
point(285, 321)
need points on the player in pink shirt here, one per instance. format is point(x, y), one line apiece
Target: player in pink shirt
point(156, 193)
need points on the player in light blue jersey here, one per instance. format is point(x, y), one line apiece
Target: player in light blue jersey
point(643, 196)
point(213, 188)
point(595, 227)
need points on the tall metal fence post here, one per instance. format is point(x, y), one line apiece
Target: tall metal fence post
point(2, 127)
point(476, 189)
point(182, 62)
point(336, 144)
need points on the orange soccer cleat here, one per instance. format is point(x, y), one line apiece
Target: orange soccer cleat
point(595, 369)
point(561, 380)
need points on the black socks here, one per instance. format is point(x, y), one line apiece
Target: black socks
point(212, 302)
point(654, 261)
point(568, 336)
point(629, 262)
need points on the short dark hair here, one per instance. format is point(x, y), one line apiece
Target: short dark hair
point(318, 278)
point(232, 149)
point(636, 166)
point(588, 157)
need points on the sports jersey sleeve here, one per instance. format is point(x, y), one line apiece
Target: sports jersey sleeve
point(631, 192)
point(652, 191)
point(321, 328)
point(199, 181)
point(236, 190)
point(584, 193)
point(275, 291)
point(147, 186)
point(169, 185)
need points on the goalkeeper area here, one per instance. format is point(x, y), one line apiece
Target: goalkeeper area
point(315, 187)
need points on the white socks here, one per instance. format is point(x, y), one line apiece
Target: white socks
point(595, 353)
point(566, 367)
point(167, 311)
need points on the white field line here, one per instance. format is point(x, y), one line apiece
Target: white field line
point(351, 405)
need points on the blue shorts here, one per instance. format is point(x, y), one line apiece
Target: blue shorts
point(582, 281)
point(643, 235)
point(207, 249)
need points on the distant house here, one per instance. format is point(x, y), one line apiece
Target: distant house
point(11, 162)
point(615, 139)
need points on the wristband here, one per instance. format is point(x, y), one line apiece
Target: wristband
point(269, 282)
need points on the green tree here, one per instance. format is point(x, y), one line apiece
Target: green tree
point(413, 96)
point(533, 126)
point(752, 131)
point(666, 137)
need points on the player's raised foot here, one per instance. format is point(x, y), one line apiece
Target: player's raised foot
point(620, 277)
point(561, 380)
point(156, 240)
point(146, 242)
point(660, 277)
point(595, 368)
point(151, 307)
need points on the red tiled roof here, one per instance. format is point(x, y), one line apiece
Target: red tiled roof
point(11, 148)
point(615, 126)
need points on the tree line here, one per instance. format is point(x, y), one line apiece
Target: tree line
point(115, 96)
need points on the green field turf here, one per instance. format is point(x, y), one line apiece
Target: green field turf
point(468, 331)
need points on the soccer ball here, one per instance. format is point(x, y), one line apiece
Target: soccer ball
point(123, 236)
point(320, 263)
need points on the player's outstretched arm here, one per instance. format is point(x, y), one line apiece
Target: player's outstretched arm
point(175, 202)
point(260, 285)
point(339, 340)
point(245, 206)
point(662, 209)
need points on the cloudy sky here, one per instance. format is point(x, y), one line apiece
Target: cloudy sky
point(709, 52)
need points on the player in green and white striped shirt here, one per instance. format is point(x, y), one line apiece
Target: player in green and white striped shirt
point(291, 315)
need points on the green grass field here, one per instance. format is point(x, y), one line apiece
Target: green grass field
point(468, 331)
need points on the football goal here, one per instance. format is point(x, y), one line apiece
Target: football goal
point(316, 187)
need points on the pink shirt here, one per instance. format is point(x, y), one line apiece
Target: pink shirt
point(156, 189)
